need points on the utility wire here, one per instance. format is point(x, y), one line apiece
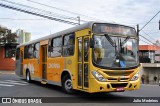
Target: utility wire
point(37, 13)
point(144, 41)
point(152, 29)
point(64, 10)
point(154, 32)
point(149, 21)
point(148, 35)
point(21, 19)
point(150, 41)
point(146, 25)
point(39, 10)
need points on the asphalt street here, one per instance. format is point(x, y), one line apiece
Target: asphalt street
point(13, 86)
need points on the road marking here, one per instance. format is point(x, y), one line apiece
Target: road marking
point(7, 72)
point(16, 81)
point(12, 83)
point(6, 85)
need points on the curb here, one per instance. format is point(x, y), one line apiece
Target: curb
point(7, 72)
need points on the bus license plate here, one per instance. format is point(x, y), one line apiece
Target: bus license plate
point(120, 89)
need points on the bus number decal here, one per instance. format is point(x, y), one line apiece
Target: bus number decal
point(53, 65)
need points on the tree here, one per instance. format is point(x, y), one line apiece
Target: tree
point(6, 36)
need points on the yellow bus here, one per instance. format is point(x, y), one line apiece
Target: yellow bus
point(92, 57)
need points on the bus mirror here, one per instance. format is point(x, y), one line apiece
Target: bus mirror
point(91, 43)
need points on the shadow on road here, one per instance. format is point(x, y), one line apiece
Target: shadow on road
point(80, 96)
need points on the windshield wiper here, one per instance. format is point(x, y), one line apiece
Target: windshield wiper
point(110, 40)
point(121, 44)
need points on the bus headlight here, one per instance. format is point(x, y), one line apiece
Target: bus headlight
point(135, 77)
point(98, 76)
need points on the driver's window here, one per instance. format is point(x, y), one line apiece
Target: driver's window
point(68, 44)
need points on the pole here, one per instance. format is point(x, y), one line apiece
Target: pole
point(78, 20)
point(138, 36)
point(138, 30)
point(159, 24)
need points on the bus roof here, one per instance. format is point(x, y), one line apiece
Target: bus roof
point(67, 31)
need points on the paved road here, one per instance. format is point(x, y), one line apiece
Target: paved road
point(13, 86)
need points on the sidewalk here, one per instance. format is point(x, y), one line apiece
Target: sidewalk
point(6, 72)
point(151, 84)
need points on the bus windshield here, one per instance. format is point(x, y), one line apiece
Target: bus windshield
point(115, 51)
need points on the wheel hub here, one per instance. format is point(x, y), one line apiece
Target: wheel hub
point(68, 84)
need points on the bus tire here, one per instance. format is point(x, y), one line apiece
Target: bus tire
point(28, 77)
point(67, 84)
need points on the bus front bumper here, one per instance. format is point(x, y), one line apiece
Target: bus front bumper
point(96, 86)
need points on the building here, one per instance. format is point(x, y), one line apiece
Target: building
point(7, 51)
point(150, 66)
point(23, 36)
point(147, 53)
point(7, 56)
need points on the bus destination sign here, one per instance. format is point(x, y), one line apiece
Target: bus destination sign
point(114, 29)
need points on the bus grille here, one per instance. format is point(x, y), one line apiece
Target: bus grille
point(119, 85)
point(118, 73)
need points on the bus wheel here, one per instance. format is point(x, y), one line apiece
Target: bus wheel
point(67, 84)
point(28, 77)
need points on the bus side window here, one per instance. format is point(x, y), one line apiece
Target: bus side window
point(36, 50)
point(50, 47)
point(30, 51)
point(25, 52)
point(55, 47)
point(68, 44)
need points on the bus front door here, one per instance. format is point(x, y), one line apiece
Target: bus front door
point(83, 62)
point(44, 62)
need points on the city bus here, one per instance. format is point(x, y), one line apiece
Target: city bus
point(92, 57)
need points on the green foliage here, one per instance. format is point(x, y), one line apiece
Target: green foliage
point(6, 36)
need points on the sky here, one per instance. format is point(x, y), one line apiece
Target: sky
point(126, 12)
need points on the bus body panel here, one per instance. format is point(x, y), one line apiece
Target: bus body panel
point(54, 68)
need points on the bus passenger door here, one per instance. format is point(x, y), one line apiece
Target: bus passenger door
point(44, 62)
point(83, 62)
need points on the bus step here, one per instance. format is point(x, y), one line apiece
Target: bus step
point(43, 82)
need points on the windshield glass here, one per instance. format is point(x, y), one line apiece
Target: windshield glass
point(115, 51)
